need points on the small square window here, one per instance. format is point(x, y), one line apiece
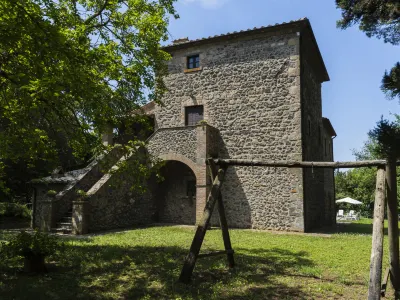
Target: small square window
point(193, 115)
point(193, 62)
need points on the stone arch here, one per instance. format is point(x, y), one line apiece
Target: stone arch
point(176, 196)
point(183, 159)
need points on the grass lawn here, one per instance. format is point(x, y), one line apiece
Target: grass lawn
point(145, 264)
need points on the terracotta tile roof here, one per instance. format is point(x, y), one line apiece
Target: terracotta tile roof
point(250, 30)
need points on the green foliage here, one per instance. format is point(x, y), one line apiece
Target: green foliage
point(26, 245)
point(81, 193)
point(51, 192)
point(136, 167)
point(145, 263)
point(386, 137)
point(8, 209)
point(383, 142)
point(380, 18)
point(391, 82)
point(69, 68)
point(358, 184)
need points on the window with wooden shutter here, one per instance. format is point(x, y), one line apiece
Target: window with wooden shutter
point(193, 115)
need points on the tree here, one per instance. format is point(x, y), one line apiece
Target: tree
point(69, 68)
point(380, 18)
point(386, 139)
point(360, 183)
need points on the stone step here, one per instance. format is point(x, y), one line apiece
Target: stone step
point(64, 224)
point(66, 220)
point(61, 230)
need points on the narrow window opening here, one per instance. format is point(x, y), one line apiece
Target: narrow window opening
point(309, 127)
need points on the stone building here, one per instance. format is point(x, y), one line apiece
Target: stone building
point(253, 94)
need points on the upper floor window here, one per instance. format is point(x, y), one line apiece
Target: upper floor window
point(193, 114)
point(193, 62)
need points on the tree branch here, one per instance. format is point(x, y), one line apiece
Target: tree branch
point(91, 18)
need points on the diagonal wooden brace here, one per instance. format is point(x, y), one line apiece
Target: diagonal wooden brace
point(201, 230)
point(222, 218)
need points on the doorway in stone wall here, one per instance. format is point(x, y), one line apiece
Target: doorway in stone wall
point(176, 194)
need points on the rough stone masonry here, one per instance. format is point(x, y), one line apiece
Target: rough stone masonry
point(261, 89)
point(253, 94)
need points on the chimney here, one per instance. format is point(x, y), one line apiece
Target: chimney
point(180, 41)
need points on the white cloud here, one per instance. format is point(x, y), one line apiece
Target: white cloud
point(209, 4)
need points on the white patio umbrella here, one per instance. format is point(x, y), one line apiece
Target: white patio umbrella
point(349, 200)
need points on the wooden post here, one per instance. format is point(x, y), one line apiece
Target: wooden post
point(222, 217)
point(393, 227)
point(375, 276)
point(225, 232)
point(201, 230)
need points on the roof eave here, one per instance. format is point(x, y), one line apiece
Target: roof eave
point(299, 24)
point(328, 125)
point(324, 74)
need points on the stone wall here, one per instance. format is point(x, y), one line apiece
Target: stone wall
point(184, 142)
point(113, 205)
point(66, 186)
point(250, 89)
point(329, 182)
point(312, 146)
point(318, 183)
point(44, 209)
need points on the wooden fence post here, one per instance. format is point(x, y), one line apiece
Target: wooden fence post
point(375, 276)
point(393, 227)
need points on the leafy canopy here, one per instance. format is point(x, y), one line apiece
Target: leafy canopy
point(68, 68)
point(386, 137)
point(383, 142)
point(380, 18)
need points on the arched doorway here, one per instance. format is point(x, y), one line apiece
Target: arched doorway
point(176, 194)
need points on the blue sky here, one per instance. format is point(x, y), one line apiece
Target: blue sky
point(352, 100)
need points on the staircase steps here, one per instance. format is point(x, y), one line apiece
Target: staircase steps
point(64, 226)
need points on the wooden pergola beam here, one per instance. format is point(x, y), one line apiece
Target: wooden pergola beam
point(301, 164)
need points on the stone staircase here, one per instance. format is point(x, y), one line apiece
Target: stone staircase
point(64, 226)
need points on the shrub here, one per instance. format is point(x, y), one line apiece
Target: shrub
point(51, 192)
point(33, 248)
point(81, 193)
point(18, 210)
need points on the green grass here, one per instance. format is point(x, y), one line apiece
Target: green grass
point(145, 264)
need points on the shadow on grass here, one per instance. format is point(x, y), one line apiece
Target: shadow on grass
point(12, 223)
point(88, 271)
point(355, 228)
